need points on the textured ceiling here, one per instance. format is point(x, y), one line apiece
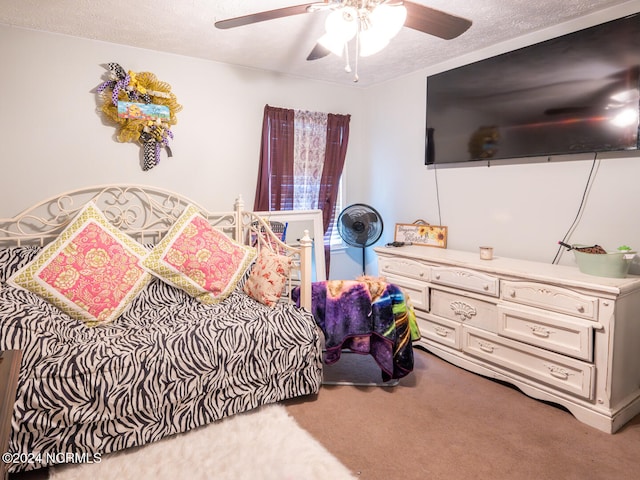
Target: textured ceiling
point(185, 27)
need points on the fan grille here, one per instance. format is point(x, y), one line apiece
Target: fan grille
point(360, 225)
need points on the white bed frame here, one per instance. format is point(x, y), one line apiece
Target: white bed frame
point(146, 213)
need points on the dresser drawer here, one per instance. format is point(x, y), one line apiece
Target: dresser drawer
point(469, 311)
point(562, 373)
point(553, 332)
point(440, 330)
point(418, 292)
point(469, 280)
point(404, 268)
point(550, 297)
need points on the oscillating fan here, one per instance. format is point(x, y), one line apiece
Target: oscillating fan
point(360, 225)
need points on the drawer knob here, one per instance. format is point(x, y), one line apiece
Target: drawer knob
point(486, 347)
point(422, 274)
point(485, 287)
point(437, 276)
point(539, 331)
point(580, 308)
point(512, 293)
point(443, 332)
point(558, 372)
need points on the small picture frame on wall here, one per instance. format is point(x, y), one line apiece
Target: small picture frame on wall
point(421, 234)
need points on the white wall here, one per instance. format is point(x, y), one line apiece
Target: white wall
point(54, 139)
point(521, 210)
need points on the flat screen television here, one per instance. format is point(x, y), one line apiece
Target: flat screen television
point(573, 94)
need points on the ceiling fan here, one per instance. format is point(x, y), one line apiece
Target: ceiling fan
point(372, 22)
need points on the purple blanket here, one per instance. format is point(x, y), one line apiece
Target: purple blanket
point(366, 319)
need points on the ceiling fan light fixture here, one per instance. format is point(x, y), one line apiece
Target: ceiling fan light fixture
point(342, 23)
point(333, 43)
point(388, 20)
point(341, 26)
point(371, 43)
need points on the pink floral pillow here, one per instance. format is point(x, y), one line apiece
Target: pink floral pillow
point(268, 277)
point(92, 271)
point(199, 259)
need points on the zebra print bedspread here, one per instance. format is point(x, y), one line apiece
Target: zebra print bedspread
point(167, 365)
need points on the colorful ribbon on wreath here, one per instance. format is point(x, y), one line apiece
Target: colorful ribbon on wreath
point(145, 88)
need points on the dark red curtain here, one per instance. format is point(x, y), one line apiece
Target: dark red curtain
point(275, 186)
point(275, 172)
point(335, 154)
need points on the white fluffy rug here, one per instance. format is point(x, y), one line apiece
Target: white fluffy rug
point(264, 444)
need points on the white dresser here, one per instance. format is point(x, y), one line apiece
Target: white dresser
point(555, 333)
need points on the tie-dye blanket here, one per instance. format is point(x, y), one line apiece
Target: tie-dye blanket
point(368, 318)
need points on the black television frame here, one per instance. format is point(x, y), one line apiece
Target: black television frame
point(558, 62)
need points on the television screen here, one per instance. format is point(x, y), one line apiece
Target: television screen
point(572, 94)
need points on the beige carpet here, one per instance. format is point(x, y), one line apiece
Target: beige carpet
point(264, 444)
point(443, 422)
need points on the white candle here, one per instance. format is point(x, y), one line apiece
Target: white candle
point(486, 253)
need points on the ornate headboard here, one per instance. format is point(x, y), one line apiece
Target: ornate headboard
point(146, 213)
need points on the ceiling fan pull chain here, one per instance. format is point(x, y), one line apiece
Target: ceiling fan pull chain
point(347, 67)
point(355, 77)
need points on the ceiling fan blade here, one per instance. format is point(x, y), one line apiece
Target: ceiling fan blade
point(263, 16)
point(318, 52)
point(434, 22)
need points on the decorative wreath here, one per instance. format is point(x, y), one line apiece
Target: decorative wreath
point(143, 108)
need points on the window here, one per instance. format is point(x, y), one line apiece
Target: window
point(336, 239)
point(301, 161)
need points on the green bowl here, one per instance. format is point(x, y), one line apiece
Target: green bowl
point(610, 264)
